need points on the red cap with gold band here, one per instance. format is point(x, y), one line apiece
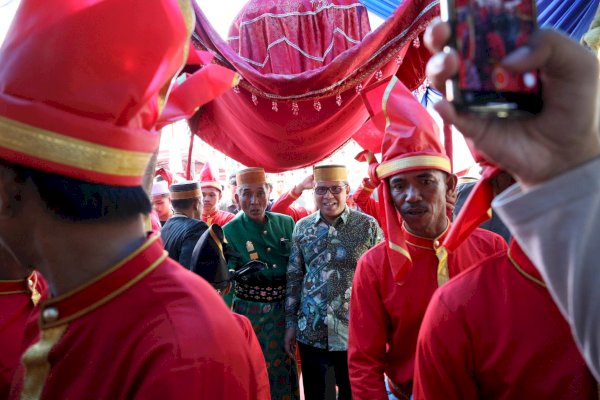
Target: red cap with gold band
point(207, 179)
point(82, 85)
point(411, 142)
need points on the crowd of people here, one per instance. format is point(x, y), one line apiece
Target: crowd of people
point(401, 297)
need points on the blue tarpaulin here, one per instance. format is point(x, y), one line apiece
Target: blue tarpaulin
point(572, 17)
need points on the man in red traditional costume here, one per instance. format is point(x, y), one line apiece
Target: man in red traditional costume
point(211, 195)
point(21, 290)
point(494, 331)
point(161, 201)
point(363, 198)
point(76, 136)
point(395, 280)
point(283, 204)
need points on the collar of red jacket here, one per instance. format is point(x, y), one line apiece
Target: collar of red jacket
point(422, 242)
point(522, 262)
point(86, 298)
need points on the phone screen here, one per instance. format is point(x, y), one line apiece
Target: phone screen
point(486, 31)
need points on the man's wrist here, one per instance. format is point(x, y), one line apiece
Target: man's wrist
point(295, 193)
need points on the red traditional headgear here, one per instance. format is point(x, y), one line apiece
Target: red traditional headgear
point(166, 175)
point(411, 142)
point(207, 179)
point(82, 84)
point(475, 210)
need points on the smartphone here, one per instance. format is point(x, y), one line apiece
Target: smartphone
point(483, 33)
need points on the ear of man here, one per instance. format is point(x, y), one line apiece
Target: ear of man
point(451, 182)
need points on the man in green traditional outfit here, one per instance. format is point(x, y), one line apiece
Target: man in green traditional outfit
point(256, 234)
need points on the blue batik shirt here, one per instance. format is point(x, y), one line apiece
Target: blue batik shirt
point(321, 268)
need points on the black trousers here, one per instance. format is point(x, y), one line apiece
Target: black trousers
point(318, 383)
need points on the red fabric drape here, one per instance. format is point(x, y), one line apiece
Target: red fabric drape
point(197, 89)
point(474, 211)
point(296, 119)
point(280, 38)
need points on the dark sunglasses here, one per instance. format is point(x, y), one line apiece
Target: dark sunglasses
point(321, 190)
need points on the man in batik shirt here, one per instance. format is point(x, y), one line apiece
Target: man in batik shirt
point(325, 249)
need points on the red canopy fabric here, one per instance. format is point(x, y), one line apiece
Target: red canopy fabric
point(288, 38)
point(197, 89)
point(282, 121)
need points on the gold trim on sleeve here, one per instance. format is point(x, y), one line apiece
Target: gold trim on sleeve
point(293, 195)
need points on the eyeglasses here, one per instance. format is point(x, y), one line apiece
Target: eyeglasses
point(322, 190)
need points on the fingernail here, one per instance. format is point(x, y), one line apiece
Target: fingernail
point(436, 64)
point(517, 55)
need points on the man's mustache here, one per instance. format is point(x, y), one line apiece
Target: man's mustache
point(414, 208)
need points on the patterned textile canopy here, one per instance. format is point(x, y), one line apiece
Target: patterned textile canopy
point(304, 65)
point(573, 17)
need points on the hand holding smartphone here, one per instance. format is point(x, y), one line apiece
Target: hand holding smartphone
point(483, 33)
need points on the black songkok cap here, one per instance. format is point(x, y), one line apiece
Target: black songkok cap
point(185, 190)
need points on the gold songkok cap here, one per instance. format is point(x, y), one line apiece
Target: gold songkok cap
point(185, 190)
point(330, 173)
point(251, 175)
